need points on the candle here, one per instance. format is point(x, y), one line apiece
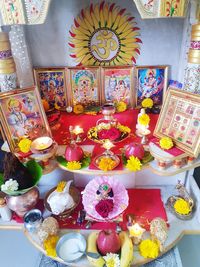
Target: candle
point(77, 130)
point(108, 144)
point(136, 230)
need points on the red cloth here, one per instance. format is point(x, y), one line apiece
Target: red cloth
point(174, 151)
point(144, 204)
point(85, 121)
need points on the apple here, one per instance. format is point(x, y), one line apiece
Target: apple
point(108, 242)
point(134, 149)
point(74, 152)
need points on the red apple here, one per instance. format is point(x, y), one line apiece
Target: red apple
point(108, 242)
point(134, 149)
point(73, 153)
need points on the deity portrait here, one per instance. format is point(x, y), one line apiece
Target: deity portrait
point(151, 83)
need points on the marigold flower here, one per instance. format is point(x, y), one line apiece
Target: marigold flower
point(50, 245)
point(124, 129)
point(60, 187)
point(78, 109)
point(147, 103)
point(112, 260)
point(73, 165)
point(149, 249)
point(106, 164)
point(181, 206)
point(25, 145)
point(133, 164)
point(121, 106)
point(166, 143)
point(144, 119)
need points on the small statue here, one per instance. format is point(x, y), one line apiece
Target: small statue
point(140, 129)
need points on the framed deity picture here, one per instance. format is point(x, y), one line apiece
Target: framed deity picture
point(85, 86)
point(180, 120)
point(52, 86)
point(22, 116)
point(151, 82)
point(117, 84)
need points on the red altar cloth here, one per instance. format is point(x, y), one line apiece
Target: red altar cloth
point(144, 204)
point(60, 130)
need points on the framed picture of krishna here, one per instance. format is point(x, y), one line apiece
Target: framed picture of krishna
point(151, 82)
point(52, 86)
point(84, 84)
point(117, 84)
point(180, 120)
point(22, 116)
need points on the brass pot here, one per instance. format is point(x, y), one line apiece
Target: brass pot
point(23, 203)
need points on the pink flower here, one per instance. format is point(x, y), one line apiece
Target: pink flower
point(104, 207)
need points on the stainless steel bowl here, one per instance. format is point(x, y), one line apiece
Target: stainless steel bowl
point(33, 220)
point(76, 248)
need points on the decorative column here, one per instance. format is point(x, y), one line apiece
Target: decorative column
point(192, 71)
point(8, 76)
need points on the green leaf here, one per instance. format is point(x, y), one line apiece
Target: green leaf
point(85, 162)
point(62, 161)
point(147, 158)
point(124, 159)
point(35, 169)
point(1, 179)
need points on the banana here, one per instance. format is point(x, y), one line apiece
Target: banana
point(126, 250)
point(92, 247)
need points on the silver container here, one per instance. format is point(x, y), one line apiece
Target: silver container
point(33, 220)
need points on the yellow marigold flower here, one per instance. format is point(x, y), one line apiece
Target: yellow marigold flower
point(149, 249)
point(166, 143)
point(147, 103)
point(181, 206)
point(78, 109)
point(73, 165)
point(91, 112)
point(144, 119)
point(106, 164)
point(50, 245)
point(124, 129)
point(121, 106)
point(112, 260)
point(60, 187)
point(56, 106)
point(133, 164)
point(25, 145)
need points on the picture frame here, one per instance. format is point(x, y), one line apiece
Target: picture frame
point(22, 116)
point(180, 120)
point(151, 82)
point(118, 84)
point(52, 86)
point(84, 86)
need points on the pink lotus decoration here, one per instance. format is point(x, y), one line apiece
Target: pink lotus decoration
point(90, 200)
point(134, 149)
point(74, 153)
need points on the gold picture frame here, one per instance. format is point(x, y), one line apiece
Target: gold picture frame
point(180, 120)
point(22, 116)
point(118, 84)
point(52, 86)
point(84, 86)
point(151, 81)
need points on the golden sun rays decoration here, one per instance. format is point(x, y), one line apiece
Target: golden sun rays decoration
point(105, 35)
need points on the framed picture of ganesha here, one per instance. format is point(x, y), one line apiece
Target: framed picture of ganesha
point(117, 83)
point(151, 82)
point(22, 116)
point(180, 120)
point(84, 84)
point(52, 86)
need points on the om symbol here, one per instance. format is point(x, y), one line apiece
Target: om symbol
point(104, 45)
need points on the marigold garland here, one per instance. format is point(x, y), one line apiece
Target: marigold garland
point(74, 165)
point(78, 109)
point(106, 164)
point(61, 185)
point(147, 103)
point(124, 129)
point(121, 106)
point(149, 249)
point(50, 245)
point(181, 206)
point(25, 145)
point(144, 119)
point(133, 164)
point(166, 143)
